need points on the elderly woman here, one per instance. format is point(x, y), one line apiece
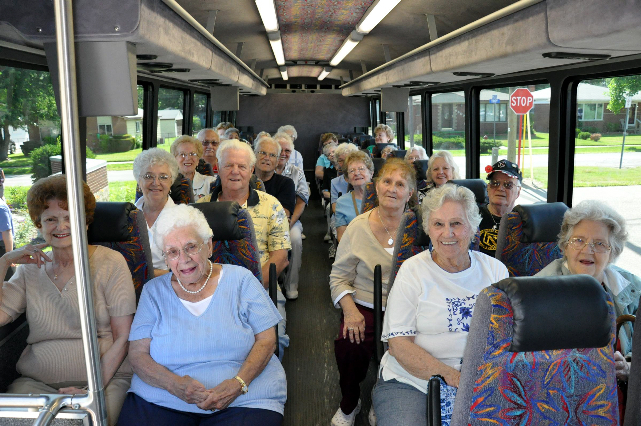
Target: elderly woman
point(360, 169)
point(387, 152)
point(45, 287)
point(415, 153)
point(296, 158)
point(430, 307)
point(155, 171)
point(382, 134)
point(231, 133)
point(323, 161)
point(187, 151)
point(339, 184)
point(202, 342)
point(222, 127)
point(440, 169)
point(592, 237)
point(368, 241)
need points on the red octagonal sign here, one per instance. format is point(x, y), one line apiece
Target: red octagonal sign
point(521, 101)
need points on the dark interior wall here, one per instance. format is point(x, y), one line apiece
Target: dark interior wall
point(310, 113)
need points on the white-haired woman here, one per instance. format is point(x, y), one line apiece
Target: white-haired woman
point(383, 134)
point(296, 158)
point(592, 237)
point(187, 151)
point(339, 184)
point(415, 153)
point(155, 170)
point(202, 341)
point(430, 307)
point(359, 169)
point(441, 168)
point(232, 133)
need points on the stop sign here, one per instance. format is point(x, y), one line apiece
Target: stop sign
point(521, 101)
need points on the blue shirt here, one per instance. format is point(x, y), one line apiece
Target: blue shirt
point(6, 220)
point(345, 209)
point(211, 347)
point(338, 185)
point(324, 161)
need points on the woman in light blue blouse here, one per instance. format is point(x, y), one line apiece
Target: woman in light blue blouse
point(202, 341)
point(360, 169)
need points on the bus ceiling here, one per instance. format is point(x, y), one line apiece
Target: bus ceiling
point(527, 35)
point(117, 39)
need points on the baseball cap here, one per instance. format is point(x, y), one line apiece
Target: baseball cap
point(505, 166)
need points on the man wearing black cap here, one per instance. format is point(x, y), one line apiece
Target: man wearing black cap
point(503, 188)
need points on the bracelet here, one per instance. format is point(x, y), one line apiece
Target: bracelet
point(243, 385)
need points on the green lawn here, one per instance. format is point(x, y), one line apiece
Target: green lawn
point(585, 176)
point(119, 166)
point(16, 164)
point(122, 191)
point(127, 156)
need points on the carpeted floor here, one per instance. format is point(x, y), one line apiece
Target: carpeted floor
point(313, 394)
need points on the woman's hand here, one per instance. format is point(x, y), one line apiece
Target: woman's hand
point(27, 254)
point(453, 378)
point(354, 326)
point(190, 390)
point(221, 396)
point(72, 390)
point(622, 366)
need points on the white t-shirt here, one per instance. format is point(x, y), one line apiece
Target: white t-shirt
point(436, 307)
point(201, 185)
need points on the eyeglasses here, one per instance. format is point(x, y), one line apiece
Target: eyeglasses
point(578, 243)
point(149, 177)
point(267, 154)
point(506, 184)
point(187, 154)
point(360, 169)
point(190, 249)
point(212, 143)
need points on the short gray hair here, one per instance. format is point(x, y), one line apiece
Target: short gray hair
point(598, 212)
point(288, 128)
point(179, 216)
point(282, 136)
point(231, 130)
point(449, 192)
point(201, 135)
point(421, 152)
point(345, 148)
point(236, 145)
point(152, 157)
point(328, 147)
point(448, 159)
point(260, 142)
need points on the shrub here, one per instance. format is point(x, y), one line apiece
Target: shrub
point(16, 196)
point(595, 136)
point(613, 127)
point(584, 135)
point(456, 142)
point(576, 132)
point(488, 144)
point(52, 140)
point(116, 143)
point(40, 164)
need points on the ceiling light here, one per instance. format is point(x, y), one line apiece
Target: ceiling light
point(277, 47)
point(375, 14)
point(283, 73)
point(348, 45)
point(267, 12)
point(325, 73)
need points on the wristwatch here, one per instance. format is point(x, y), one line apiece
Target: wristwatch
point(243, 385)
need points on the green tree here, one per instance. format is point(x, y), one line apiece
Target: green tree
point(26, 100)
point(620, 88)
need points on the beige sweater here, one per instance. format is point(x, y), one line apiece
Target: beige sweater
point(353, 270)
point(54, 352)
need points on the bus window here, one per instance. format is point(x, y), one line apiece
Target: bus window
point(200, 113)
point(413, 122)
point(170, 116)
point(503, 132)
point(218, 117)
point(448, 126)
point(601, 171)
point(390, 120)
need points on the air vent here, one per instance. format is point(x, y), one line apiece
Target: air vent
point(280, 86)
point(473, 74)
point(208, 81)
point(155, 66)
point(295, 86)
point(325, 86)
point(146, 57)
point(178, 70)
point(571, 55)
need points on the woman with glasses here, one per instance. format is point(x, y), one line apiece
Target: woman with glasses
point(44, 286)
point(592, 237)
point(202, 341)
point(360, 169)
point(188, 151)
point(155, 171)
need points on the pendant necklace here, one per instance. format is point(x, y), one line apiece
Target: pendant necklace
point(390, 242)
point(496, 225)
point(211, 268)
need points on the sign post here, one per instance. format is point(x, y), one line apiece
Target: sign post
point(521, 102)
point(628, 104)
point(494, 100)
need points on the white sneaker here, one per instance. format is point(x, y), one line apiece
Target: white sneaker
point(291, 295)
point(342, 419)
point(327, 238)
point(372, 417)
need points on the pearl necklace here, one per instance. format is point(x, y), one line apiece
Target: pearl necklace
point(211, 268)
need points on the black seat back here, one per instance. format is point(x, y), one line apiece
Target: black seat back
point(477, 186)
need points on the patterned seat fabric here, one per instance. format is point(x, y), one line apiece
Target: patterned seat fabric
point(204, 168)
point(521, 257)
point(547, 387)
point(181, 191)
point(369, 198)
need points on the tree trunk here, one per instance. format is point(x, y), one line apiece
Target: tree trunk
point(4, 142)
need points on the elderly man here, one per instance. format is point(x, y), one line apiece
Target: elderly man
point(296, 158)
point(295, 226)
point(236, 164)
point(503, 188)
point(267, 154)
point(210, 140)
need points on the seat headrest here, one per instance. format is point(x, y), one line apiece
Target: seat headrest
point(110, 223)
point(399, 153)
point(541, 222)
point(378, 165)
point(376, 153)
point(222, 217)
point(422, 239)
point(421, 169)
point(477, 186)
point(561, 312)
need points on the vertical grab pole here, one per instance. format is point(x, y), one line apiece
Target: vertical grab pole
point(94, 402)
point(378, 311)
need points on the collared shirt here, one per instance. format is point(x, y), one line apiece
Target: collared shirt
point(270, 222)
point(298, 176)
point(201, 185)
point(296, 159)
